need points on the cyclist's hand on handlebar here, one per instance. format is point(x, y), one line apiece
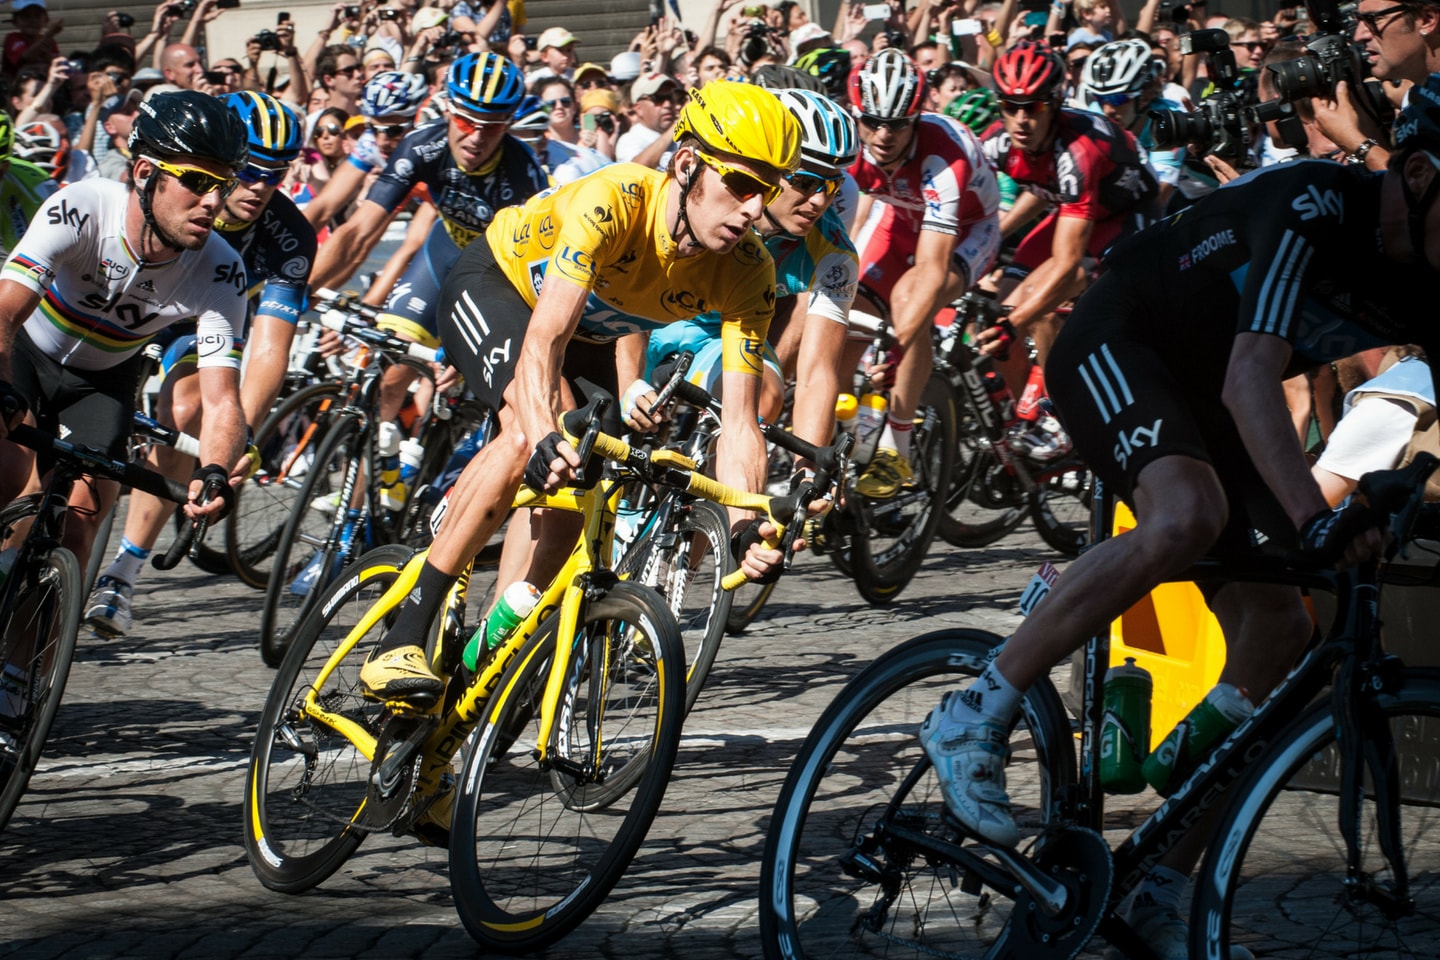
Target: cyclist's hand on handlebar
point(12, 407)
point(219, 504)
point(637, 407)
point(996, 341)
point(760, 563)
point(552, 465)
point(1344, 537)
point(447, 379)
point(329, 343)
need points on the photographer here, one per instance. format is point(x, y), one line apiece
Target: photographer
point(165, 16)
point(1401, 43)
point(600, 122)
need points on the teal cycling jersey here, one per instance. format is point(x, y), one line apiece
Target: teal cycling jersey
point(1167, 165)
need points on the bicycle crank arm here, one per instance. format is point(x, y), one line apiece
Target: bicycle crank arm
point(401, 755)
point(1047, 893)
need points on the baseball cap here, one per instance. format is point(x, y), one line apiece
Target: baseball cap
point(808, 33)
point(146, 75)
point(555, 37)
point(19, 5)
point(120, 101)
point(625, 66)
point(600, 98)
point(651, 84)
point(427, 17)
point(585, 68)
point(382, 47)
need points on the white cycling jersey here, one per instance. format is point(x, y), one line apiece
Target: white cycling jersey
point(100, 303)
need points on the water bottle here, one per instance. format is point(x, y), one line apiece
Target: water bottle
point(870, 421)
point(387, 449)
point(1000, 395)
point(1223, 709)
point(1125, 729)
point(412, 453)
point(515, 605)
point(847, 412)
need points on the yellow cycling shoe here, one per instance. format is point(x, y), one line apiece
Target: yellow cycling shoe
point(432, 827)
point(401, 675)
point(886, 474)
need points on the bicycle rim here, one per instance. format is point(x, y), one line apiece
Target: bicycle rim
point(686, 566)
point(37, 643)
point(1060, 508)
point(1274, 876)
point(984, 502)
point(533, 849)
point(305, 788)
point(862, 764)
point(309, 554)
point(287, 441)
point(892, 536)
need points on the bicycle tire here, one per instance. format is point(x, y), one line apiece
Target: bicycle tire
point(686, 566)
point(1288, 806)
point(263, 502)
point(893, 536)
point(301, 810)
point(984, 502)
point(49, 606)
point(287, 601)
point(861, 750)
point(1060, 508)
point(530, 855)
point(745, 605)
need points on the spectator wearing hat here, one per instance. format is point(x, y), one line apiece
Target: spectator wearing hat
point(565, 157)
point(556, 47)
point(117, 117)
point(625, 67)
point(33, 40)
point(810, 36)
point(429, 24)
point(592, 76)
point(382, 55)
point(602, 122)
point(655, 101)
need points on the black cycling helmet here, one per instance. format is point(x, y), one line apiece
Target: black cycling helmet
point(1418, 128)
point(190, 124)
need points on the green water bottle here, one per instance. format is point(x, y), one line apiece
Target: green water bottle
point(1125, 729)
point(515, 605)
point(1223, 709)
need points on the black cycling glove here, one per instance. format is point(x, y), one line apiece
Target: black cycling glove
point(12, 401)
point(222, 489)
point(537, 470)
point(740, 545)
point(1325, 536)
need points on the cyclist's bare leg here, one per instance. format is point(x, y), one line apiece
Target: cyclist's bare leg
point(1180, 509)
point(919, 359)
point(481, 498)
point(179, 405)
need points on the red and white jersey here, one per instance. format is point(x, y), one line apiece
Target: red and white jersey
point(945, 184)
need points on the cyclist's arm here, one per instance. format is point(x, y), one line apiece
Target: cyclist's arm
point(535, 390)
point(1046, 288)
point(817, 382)
point(17, 302)
point(630, 358)
point(1256, 400)
point(340, 254)
point(919, 290)
point(343, 186)
point(740, 451)
point(863, 205)
point(1026, 209)
point(268, 357)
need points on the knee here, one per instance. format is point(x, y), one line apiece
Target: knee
point(1181, 535)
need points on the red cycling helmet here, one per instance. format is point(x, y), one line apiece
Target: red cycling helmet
point(1030, 69)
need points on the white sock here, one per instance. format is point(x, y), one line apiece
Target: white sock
point(128, 563)
point(1161, 887)
point(900, 432)
point(990, 698)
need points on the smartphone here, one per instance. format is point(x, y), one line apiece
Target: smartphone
point(215, 78)
point(587, 121)
point(1037, 18)
point(227, 4)
point(965, 28)
point(877, 11)
point(282, 17)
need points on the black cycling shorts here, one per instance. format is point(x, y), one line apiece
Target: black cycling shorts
point(1126, 402)
point(483, 321)
point(91, 407)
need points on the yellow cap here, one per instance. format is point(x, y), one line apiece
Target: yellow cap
point(846, 406)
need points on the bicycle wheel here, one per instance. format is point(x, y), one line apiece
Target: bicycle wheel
point(892, 536)
point(984, 502)
point(1274, 878)
point(1060, 508)
point(746, 602)
point(686, 565)
point(533, 852)
point(830, 885)
point(312, 548)
point(287, 441)
point(40, 612)
point(306, 785)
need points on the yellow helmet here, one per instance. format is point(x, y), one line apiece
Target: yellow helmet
point(743, 120)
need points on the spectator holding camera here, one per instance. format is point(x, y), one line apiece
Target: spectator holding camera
point(600, 122)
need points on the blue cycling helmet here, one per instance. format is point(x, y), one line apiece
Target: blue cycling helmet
point(828, 141)
point(486, 84)
point(274, 132)
point(531, 117)
point(393, 94)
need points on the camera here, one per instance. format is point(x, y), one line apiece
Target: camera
point(755, 42)
point(268, 40)
point(352, 13)
point(182, 7)
point(1333, 56)
point(448, 39)
point(1221, 123)
point(606, 122)
point(388, 13)
point(124, 20)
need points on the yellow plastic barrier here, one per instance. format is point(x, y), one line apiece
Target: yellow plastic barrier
point(1173, 634)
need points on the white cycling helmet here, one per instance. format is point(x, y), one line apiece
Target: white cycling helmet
point(828, 142)
point(1121, 67)
point(887, 87)
point(393, 94)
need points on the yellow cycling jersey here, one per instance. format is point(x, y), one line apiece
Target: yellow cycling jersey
point(607, 231)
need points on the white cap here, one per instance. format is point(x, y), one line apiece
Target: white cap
point(625, 67)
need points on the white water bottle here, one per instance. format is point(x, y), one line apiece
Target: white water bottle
point(869, 423)
point(412, 452)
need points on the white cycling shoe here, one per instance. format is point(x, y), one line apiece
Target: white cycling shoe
point(969, 760)
point(108, 612)
point(1164, 932)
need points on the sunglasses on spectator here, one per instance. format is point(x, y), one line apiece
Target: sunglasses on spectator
point(349, 71)
point(197, 181)
point(1251, 45)
point(565, 102)
point(334, 129)
point(876, 123)
point(591, 84)
point(1033, 107)
point(744, 185)
point(811, 184)
point(390, 129)
point(469, 126)
point(1372, 19)
point(269, 176)
point(117, 77)
point(660, 99)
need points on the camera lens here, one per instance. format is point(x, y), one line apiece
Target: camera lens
point(1175, 128)
point(1300, 78)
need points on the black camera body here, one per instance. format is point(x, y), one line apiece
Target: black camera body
point(755, 42)
point(606, 122)
point(186, 7)
point(1221, 123)
point(1333, 56)
point(124, 20)
point(268, 40)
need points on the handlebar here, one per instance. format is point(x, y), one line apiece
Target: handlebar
point(191, 535)
point(98, 463)
point(340, 322)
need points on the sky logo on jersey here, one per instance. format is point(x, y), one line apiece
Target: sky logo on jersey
point(67, 214)
point(1315, 203)
point(1134, 440)
point(1203, 249)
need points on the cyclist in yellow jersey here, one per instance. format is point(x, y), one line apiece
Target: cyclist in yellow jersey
point(531, 312)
